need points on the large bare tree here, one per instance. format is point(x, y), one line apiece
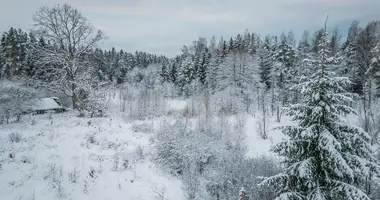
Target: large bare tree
point(70, 37)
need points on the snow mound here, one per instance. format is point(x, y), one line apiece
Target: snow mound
point(176, 104)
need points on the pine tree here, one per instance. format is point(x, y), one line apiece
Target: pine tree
point(316, 40)
point(375, 67)
point(186, 71)
point(30, 66)
point(122, 68)
point(325, 157)
point(11, 46)
point(335, 41)
point(366, 42)
point(284, 72)
point(266, 61)
point(165, 71)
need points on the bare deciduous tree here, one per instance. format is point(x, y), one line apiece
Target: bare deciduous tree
point(71, 37)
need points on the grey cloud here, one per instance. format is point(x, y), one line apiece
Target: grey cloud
point(163, 26)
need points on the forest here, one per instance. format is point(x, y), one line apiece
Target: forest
point(313, 86)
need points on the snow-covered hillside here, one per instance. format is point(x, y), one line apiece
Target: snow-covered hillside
point(62, 156)
point(79, 158)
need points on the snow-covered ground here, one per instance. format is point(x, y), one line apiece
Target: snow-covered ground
point(52, 151)
point(258, 146)
point(64, 156)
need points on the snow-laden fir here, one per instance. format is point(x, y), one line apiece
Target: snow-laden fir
point(325, 157)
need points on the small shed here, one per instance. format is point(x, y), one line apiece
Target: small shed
point(41, 106)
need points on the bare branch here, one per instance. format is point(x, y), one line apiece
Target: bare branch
point(71, 38)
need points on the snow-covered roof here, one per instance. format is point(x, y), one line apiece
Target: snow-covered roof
point(45, 104)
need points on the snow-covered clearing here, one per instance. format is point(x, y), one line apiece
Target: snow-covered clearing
point(46, 157)
point(51, 152)
point(258, 146)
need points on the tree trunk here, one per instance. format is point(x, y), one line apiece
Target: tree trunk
point(365, 108)
point(273, 98)
point(278, 112)
point(264, 136)
point(74, 101)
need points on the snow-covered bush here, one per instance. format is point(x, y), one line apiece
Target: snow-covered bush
point(13, 100)
point(143, 95)
point(25, 159)
point(226, 178)
point(91, 139)
point(159, 191)
point(140, 152)
point(212, 162)
point(120, 162)
point(73, 176)
point(145, 127)
point(93, 101)
point(52, 172)
point(191, 182)
point(15, 137)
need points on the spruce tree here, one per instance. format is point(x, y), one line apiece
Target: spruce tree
point(11, 46)
point(325, 157)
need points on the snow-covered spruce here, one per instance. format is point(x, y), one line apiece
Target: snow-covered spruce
point(325, 158)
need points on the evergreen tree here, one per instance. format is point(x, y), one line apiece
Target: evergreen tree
point(284, 72)
point(266, 61)
point(30, 66)
point(326, 158)
point(165, 71)
point(316, 40)
point(122, 68)
point(303, 49)
point(12, 49)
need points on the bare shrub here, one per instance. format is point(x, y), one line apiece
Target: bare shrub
point(261, 130)
point(91, 139)
point(115, 166)
point(227, 111)
point(159, 191)
point(52, 172)
point(92, 173)
point(15, 137)
point(125, 163)
point(117, 146)
point(58, 185)
point(86, 186)
point(100, 160)
point(187, 112)
point(140, 152)
point(12, 156)
point(73, 176)
point(146, 127)
point(190, 180)
point(25, 159)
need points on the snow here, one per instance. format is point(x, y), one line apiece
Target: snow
point(176, 104)
point(45, 104)
point(258, 146)
point(61, 144)
point(52, 149)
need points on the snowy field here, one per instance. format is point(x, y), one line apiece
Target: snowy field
point(54, 156)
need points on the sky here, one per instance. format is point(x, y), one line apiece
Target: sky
point(164, 26)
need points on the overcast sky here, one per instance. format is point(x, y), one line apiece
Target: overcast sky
point(164, 26)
